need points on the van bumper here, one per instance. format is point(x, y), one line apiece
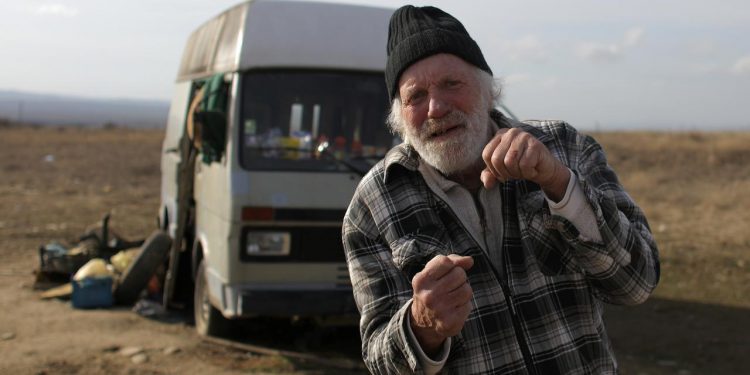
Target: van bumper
point(288, 301)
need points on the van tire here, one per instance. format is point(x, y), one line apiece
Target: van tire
point(208, 320)
point(135, 278)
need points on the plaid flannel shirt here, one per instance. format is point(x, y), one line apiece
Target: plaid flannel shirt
point(542, 312)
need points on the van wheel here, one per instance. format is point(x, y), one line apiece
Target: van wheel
point(208, 320)
point(135, 278)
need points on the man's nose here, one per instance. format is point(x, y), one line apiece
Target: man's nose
point(438, 107)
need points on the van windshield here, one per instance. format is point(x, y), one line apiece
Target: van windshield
point(313, 121)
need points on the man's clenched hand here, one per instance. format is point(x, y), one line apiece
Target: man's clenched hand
point(442, 300)
point(515, 154)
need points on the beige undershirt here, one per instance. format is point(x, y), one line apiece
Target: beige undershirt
point(573, 206)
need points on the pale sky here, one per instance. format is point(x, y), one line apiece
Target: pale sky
point(619, 64)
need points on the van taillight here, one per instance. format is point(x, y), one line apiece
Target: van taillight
point(257, 213)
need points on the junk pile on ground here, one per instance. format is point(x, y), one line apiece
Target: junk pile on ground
point(102, 268)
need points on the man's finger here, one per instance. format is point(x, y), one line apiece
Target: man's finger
point(438, 266)
point(461, 295)
point(529, 163)
point(451, 281)
point(514, 156)
point(497, 161)
point(489, 149)
point(488, 179)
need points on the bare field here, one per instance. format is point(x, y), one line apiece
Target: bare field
point(694, 188)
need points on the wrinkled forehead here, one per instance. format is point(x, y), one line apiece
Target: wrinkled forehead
point(436, 69)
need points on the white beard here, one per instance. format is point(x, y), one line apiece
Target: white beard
point(458, 152)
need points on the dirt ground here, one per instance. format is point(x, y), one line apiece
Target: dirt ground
point(54, 182)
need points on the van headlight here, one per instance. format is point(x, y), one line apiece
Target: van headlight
point(267, 243)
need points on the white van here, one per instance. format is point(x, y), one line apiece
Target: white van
point(279, 108)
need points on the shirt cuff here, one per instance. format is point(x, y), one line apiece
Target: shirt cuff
point(575, 207)
point(429, 365)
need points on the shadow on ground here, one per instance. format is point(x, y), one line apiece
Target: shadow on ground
point(658, 337)
point(677, 337)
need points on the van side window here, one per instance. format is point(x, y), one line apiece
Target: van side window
point(207, 120)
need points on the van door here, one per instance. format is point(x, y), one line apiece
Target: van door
point(171, 156)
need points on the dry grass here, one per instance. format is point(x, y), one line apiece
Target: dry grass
point(56, 182)
point(695, 190)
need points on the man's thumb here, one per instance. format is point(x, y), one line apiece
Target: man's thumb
point(465, 262)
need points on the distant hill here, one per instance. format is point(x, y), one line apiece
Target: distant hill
point(46, 109)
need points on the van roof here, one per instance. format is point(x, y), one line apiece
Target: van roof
point(288, 34)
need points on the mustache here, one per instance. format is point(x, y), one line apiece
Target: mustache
point(432, 125)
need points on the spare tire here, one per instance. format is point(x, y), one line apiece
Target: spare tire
point(135, 278)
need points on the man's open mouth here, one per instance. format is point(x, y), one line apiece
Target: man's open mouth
point(445, 130)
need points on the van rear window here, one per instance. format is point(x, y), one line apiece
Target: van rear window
point(312, 120)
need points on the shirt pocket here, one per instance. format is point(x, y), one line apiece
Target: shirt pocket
point(540, 236)
point(412, 251)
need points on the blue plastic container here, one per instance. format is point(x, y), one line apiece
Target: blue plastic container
point(92, 292)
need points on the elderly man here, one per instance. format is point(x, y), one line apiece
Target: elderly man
point(482, 244)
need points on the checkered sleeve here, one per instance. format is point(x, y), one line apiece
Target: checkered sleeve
point(624, 267)
point(381, 293)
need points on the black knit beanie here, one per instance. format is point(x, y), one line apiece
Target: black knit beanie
point(415, 33)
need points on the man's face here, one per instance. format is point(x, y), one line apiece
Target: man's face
point(445, 113)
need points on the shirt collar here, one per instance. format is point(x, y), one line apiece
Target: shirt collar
point(433, 175)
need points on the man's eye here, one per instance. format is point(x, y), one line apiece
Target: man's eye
point(415, 98)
